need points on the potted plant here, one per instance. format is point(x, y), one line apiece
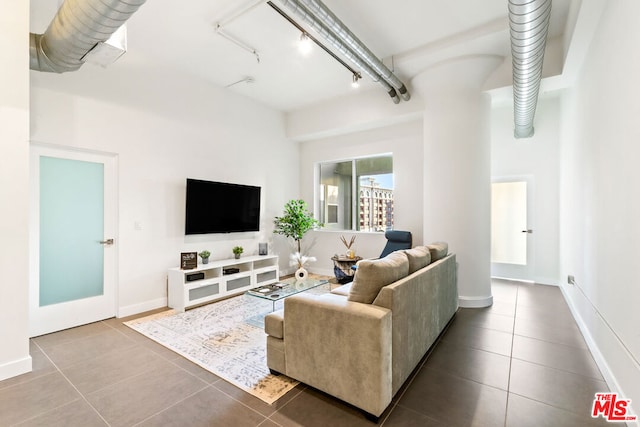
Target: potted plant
point(294, 223)
point(237, 250)
point(205, 256)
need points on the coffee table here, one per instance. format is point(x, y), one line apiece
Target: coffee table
point(285, 288)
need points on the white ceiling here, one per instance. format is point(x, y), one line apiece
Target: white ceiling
point(408, 35)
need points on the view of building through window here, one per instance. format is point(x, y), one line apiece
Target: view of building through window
point(356, 194)
point(375, 202)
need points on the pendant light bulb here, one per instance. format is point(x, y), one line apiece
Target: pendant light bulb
point(305, 44)
point(355, 83)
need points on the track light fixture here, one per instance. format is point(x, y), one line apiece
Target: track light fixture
point(356, 83)
point(306, 37)
point(305, 43)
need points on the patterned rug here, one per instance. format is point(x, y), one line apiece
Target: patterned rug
point(227, 338)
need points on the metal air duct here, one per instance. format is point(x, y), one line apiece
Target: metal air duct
point(529, 23)
point(78, 27)
point(325, 15)
point(299, 9)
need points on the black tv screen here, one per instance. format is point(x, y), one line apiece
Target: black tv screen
point(219, 207)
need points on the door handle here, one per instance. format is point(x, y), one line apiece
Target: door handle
point(527, 231)
point(106, 242)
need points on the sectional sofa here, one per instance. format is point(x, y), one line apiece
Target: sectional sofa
point(362, 341)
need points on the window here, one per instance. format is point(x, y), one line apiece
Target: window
point(356, 194)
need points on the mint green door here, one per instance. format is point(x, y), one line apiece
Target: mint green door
point(72, 285)
point(71, 222)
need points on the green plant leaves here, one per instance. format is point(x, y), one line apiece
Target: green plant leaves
point(296, 221)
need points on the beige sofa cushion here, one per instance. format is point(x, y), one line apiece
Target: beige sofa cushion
point(373, 274)
point(274, 324)
point(342, 290)
point(419, 257)
point(438, 250)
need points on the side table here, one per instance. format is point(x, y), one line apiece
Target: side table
point(342, 267)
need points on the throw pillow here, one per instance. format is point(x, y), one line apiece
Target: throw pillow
point(373, 274)
point(438, 250)
point(419, 257)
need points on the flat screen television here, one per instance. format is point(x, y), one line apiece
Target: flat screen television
point(220, 207)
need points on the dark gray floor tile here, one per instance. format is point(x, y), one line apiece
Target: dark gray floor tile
point(504, 291)
point(413, 374)
point(196, 370)
point(138, 398)
point(268, 423)
point(462, 334)
point(523, 412)
point(571, 392)
point(90, 347)
point(161, 350)
point(541, 296)
point(502, 308)
point(559, 356)
point(565, 333)
point(117, 321)
point(207, 408)
point(129, 378)
point(118, 324)
point(255, 403)
point(477, 365)
point(455, 401)
point(484, 318)
point(40, 365)
point(312, 408)
point(99, 372)
point(70, 335)
point(75, 414)
point(405, 417)
point(29, 399)
point(544, 313)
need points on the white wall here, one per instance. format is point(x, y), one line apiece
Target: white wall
point(356, 112)
point(165, 128)
point(537, 157)
point(600, 208)
point(405, 142)
point(14, 188)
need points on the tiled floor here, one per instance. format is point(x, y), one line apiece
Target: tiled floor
point(521, 362)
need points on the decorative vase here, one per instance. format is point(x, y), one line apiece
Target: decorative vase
point(205, 260)
point(351, 254)
point(301, 274)
point(237, 256)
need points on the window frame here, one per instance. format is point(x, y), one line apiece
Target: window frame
point(318, 197)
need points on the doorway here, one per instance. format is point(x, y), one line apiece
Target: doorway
point(72, 239)
point(511, 228)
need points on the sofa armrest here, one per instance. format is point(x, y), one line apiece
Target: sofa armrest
point(340, 347)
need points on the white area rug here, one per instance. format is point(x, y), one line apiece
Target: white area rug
point(225, 338)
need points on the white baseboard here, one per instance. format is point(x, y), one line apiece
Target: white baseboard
point(16, 367)
point(130, 310)
point(598, 356)
point(475, 302)
point(512, 279)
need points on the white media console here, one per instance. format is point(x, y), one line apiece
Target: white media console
point(208, 282)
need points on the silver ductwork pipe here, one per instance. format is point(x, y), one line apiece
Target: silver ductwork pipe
point(300, 10)
point(322, 12)
point(78, 26)
point(529, 24)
